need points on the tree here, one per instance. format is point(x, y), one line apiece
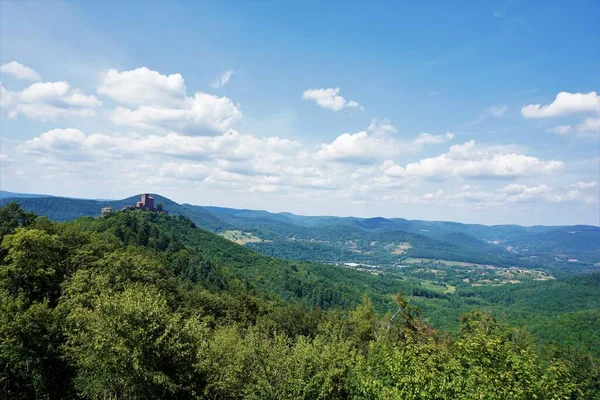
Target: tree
point(131, 345)
point(13, 217)
point(32, 363)
point(498, 363)
point(34, 266)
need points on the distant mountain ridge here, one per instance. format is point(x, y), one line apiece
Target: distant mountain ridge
point(8, 195)
point(375, 240)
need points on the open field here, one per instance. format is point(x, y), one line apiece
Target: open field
point(401, 248)
point(241, 237)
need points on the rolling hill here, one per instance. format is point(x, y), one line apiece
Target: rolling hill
point(374, 241)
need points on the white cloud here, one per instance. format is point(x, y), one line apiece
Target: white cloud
point(524, 190)
point(589, 128)
point(351, 166)
point(360, 148)
point(73, 144)
point(48, 101)
point(5, 160)
point(376, 143)
point(561, 129)
point(201, 114)
point(571, 196)
point(329, 98)
point(184, 171)
point(143, 87)
point(583, 185)
point(243, 163)
point(65, 144)
point(19, 71)
point(223, 79)
point(57, 93)
point(591, 125)
point(512, 195)
point(162, 103)
point(263, 188)
point(365, 148)
point(379, 126)
point(466, 161)
point(429, 139)
point(564, 104)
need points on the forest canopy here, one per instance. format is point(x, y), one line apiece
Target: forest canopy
point(139, 305)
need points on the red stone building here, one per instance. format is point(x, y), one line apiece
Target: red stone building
point(146, 203)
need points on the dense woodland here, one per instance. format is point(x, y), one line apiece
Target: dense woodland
point(141, 305)
point(368, 240)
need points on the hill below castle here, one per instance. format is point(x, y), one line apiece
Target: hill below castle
point(140, 304)
point(367, 241)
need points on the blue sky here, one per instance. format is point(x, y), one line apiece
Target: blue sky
point(472, 111)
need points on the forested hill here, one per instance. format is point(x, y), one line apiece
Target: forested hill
point(374, 241)
point(141, 305)
point(281, 235)
point(303, 282)
point(67, 209)
point(12, 195)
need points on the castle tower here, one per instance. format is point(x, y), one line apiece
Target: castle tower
point(146, 202)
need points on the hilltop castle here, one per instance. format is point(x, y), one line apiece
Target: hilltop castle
point(146, 203)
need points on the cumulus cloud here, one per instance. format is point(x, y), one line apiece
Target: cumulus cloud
point(185, 138)
point(184, 171)
point(329, 98)
point(364, 148)
point(376, 143)
point(143, 87)
point(512, 195)
point(524, 190)
point(162, 103)
point(244, 163)
point(201, 114)
point(564, 104)
point(48, 101)
point(589, 128)
point(218, 177)
point(19, 71)
point(231, 160)
point(359, 148)
point(572, 195)
point(467, 161)
point(73, 144)
point(65, 144)
point(379, 126)
point(507, 196)
point(222, 79)
point(591, 125)
point(429, 139)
